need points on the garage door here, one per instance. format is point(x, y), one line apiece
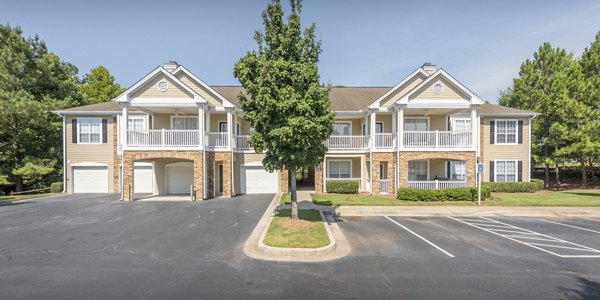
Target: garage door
point(90, 179)
point(256, 180)
point(179, 178)
point(142, 179)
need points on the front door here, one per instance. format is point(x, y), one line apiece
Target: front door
point(219, 179)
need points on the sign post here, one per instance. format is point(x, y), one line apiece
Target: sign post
point(479, 172)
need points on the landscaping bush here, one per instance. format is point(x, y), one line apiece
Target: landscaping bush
point(56, 187)
point(449, 194)
point(515, 187)
point(342, 186)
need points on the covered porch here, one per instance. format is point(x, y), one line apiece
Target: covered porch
point(447, 170)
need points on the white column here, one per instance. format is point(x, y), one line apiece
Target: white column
point(201, 124)
point(401, 126)
point(124, 125)
point(372, 130)
point(474, 126)
point(207, 129)
point(394, 128)
point(229, 127)
point(234, 131)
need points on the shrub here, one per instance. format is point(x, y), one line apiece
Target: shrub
point(515, 187)
point(449, 194)
point(56, 187)
point(342, 186)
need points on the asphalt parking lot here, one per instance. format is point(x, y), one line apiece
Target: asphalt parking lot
point(91, 246)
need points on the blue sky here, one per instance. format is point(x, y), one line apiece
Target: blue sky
point(365, 43)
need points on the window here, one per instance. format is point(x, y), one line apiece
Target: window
point(506, 132)
point(458, 170)
point(184, 123)
point(222, 126)
point(378, 127)
point(89, 131)
point(417, 170)
point(136, 123)
point(238, 129)
point(461, 124)
point(364, 129)
point(342, 128)
point(505, 170)
point(416, 124)
point(339, 169)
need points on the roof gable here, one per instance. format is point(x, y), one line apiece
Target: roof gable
point(403, 86)
point(458, 90)
point(200, 87)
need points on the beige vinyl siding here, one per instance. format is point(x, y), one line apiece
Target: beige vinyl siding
point(150, 90)
point(437, 167)
point(199, 89)
point(244, 126)
point(215, 119)
point(387, 122)
point(402, 90)
point(511, 152)
point(449, 92)
point(90, 153)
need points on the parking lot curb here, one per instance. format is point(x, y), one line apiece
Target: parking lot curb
point(440, 211)
point(254, 247)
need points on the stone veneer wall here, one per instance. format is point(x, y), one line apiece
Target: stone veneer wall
point(130, 156)
point(212, 159)
point(469, 157)
point(390, 158)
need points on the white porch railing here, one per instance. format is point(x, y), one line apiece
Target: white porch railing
point(438, 139)
point(436, 184)
point(347, 142)
point(384, 186)
point(218, 139)
point(242, 142)
point(163, 138)
point(384, 140)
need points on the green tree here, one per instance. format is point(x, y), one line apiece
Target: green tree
point(590, 63)
point(284, 100)
point(33, 81)
point(540, 81)
point(99, 86)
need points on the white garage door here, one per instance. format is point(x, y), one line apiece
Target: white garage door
point(142, 179)
point(90, 179)
point(179, 178)
point(256, 180)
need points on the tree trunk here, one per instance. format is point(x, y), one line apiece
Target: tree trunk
point(591, 165)
point(17, 157)
point(546, 168)
point(583, 171)
point(294, 195)
point(557, 175)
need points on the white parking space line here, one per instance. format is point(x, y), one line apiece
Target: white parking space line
point(422, 238)
point(529, 235)
point(572, 226)
point(590, 219)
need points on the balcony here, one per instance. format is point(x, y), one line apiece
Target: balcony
point(438, 139)
point(436, 184)
point(384, 140)
point(242, 142)
point(347, 142)
point(163, 138)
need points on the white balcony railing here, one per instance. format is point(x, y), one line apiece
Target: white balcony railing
point(384, 140)
point(347, 142)
point(436, 184)
point(384, 186)
point(438, 139)
point(243, 142)
point(163, 138)
point(218, 139)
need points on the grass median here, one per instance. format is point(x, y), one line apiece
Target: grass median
point(9, 198)
point(308, 232)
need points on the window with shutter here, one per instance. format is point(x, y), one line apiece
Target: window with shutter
point(89, 130)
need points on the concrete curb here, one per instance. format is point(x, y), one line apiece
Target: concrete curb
point(254, 246)
point(439, 211)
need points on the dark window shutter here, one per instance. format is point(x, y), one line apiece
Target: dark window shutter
point(74, 131)
point(520, 171)
point(520, 133)
point(492, 171)
point(492, 130)
point(104, 133)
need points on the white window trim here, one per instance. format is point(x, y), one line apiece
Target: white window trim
point(138, 117)
point(506, 160)
point(329, 169)
point(428, 168)
point(460, 119)
point(219, 126)
point(88, 120)
point(417, 117)
point(496, 131)
point(344, 122)
point(183, 117)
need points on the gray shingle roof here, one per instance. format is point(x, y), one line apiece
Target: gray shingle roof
point(488, 108)
point(104, 107)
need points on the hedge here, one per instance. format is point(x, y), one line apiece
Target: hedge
point(56, 187)
point(342, 186)
point(448, 194)
point(515, 187)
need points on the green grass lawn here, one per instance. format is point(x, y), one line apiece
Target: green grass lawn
point(286, 198)
point(577, 197)
point(9, 198)
point(542, 198)
point(308, 232)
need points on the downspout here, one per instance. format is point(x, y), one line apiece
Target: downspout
point(64, 154)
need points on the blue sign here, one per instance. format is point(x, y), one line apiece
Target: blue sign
point(479, 168)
